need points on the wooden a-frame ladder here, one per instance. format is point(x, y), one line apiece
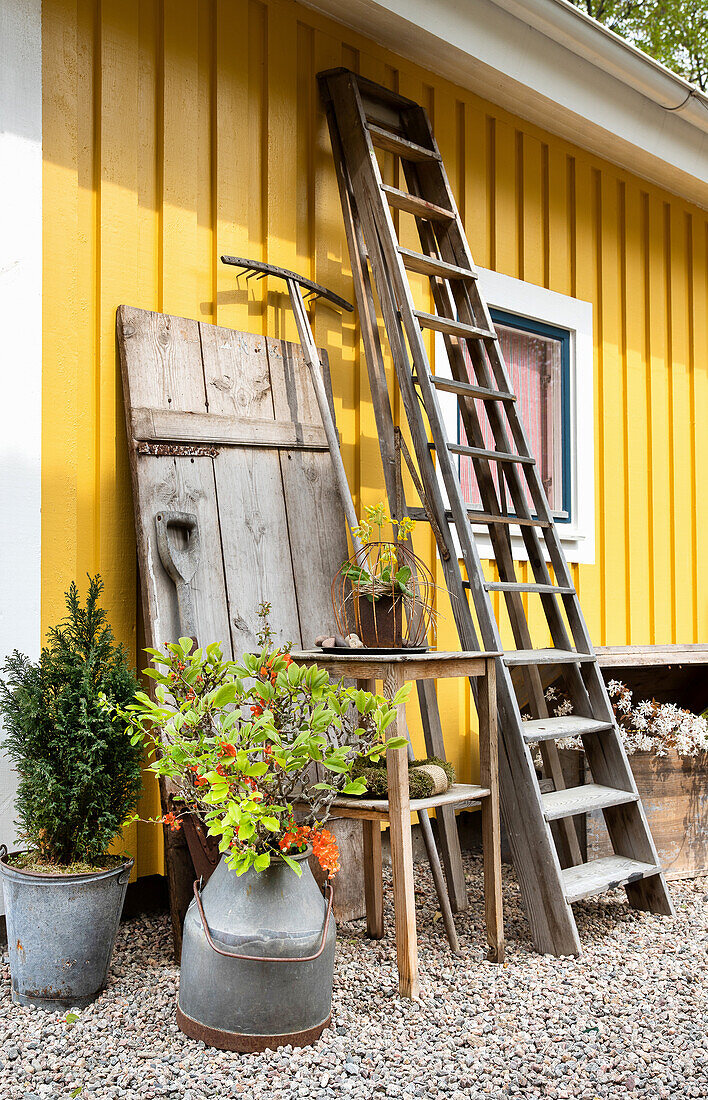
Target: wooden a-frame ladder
point(362, 118)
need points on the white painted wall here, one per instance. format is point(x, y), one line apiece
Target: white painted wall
point(20, 343)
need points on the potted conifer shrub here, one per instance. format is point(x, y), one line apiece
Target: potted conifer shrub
point(79, 780)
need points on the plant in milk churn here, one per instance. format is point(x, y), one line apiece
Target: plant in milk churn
point(249, 745)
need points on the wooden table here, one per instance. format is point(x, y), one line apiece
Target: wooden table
point(394, 670)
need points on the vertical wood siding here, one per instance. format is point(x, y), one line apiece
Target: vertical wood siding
point(175, 131)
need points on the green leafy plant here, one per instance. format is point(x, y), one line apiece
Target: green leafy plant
point(382, 573)
point(243, 743)
point(79, 772)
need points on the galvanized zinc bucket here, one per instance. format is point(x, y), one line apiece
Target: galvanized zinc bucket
point(61, 930)
point(257, 959)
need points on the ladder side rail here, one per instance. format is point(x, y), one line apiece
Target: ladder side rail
point(448, 836)
point(582, 699)
point(553, 921)
point(550, 917)
point(627, 825)
point(365, 303)
point(564, 830)
point(607, 757)
point(385, 257)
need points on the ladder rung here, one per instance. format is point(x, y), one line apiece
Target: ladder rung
point(466, 389)
point(412, 204)
point(515, 657)
point(583, 800)
point(481, 452)
point(570, 725)
point(523, 586)
point(400, 146)
point(587, 879)
point(453, 328)
point(431, 265)
point(475, 516)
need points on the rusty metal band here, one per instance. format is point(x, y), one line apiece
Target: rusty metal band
point(266, 958)
point(246, 1044)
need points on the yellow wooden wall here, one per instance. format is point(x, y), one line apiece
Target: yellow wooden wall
point(176, 130)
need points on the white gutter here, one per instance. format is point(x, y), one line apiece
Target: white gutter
point(562, 22)
point(548, 62)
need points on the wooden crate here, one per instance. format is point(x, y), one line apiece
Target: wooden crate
point(674, 791)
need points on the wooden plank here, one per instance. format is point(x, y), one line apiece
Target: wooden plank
point(163, 361)
point(362, 665)
point(571, 725)
point(544, 657)
point(465, 389)
point(349, 901)
point(583, 800)
point(182, 485)
point(592, 878)
point(476, 516)
point(527, 586)
point(491, 826)
point(315, 518)
point(229, 431)
point(373, 883)
point(455, 795)
point(412, 204)
point(400, 146)
point(633, 656)
point(433, 266)
point(492, 456)
point(452, 327)
point(448, 836)
point(401, 846)
point(236, 373)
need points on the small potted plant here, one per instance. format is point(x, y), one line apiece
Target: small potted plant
point(257, 750)
point(383, 593)
point(79, 779)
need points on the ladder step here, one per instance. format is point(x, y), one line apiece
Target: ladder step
point(453, 328)
point(412, 204)
point(475, 516)
point(466, 389)
point(582, 800)
point(599, 875)
point(523, 586)
point(497, 456)
point(514, 657)
point(400, 146)
point(431, 265)
point(570, 725)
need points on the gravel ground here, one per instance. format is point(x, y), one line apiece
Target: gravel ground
point(628, 1019)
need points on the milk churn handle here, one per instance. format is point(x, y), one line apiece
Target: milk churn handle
point(3, 852)
point(267, 958)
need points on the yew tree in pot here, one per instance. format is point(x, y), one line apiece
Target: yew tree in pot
point(79, 781)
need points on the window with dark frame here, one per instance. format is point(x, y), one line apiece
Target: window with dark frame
point(537, 356)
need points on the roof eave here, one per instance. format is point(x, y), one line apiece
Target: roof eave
point(544, 60)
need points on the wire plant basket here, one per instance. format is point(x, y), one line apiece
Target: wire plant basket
point(384, 594)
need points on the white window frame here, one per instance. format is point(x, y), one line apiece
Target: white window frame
point(575, 316)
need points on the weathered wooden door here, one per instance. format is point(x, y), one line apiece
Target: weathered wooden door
point(225, 425)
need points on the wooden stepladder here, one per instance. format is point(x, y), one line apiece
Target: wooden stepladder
point(364, 117)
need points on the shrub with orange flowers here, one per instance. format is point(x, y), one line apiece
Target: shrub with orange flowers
point(258, 749)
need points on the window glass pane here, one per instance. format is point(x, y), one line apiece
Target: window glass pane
point(535, 366)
